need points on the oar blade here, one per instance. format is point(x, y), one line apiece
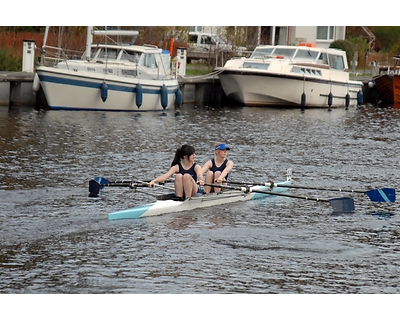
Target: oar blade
point(382, 195)
point(94, 188)
point(95, 185)
point(101, 181)
point(342, 205)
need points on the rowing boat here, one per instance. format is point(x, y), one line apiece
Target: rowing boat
point(163, 206)
point(245, 191)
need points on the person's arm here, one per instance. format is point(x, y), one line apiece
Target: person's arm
point(199, 173)
point(206, 167)
point(165, 176)
point(225, 172)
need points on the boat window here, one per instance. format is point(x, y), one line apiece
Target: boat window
point(286, 52)
point(260, 53)
point(149, 60)
point(302, 70)
point(323, 58)
point(93, 52)
point(130, 56)
point(131, 73)
point(105, 54)
point(252, 65)
point(336, 62)
point(306, 54)
point(107, 70)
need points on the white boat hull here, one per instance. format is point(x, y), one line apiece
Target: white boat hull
point(204, 201)
point(69, 90)
point(265, 89)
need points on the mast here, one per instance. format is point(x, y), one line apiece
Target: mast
point(89, 40)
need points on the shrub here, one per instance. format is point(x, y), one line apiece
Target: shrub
point(10, 62)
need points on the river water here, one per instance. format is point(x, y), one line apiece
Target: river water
point(55, 239)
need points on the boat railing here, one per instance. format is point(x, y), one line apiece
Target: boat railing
point(51, 56)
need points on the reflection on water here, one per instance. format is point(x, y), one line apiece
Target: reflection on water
point(55, 239)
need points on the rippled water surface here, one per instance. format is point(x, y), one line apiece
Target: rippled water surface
point(55, 239)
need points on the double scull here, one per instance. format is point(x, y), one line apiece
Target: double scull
point(167, 204)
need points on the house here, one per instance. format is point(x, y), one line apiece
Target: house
point(322, 36)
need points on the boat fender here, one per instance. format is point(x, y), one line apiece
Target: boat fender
point(139, 95)
point(347, 100)
point(360, 97)
point(330, 98)
point(36, 83)
point(164, 96)
point(178, 95)
point(104, 91)
point(303, 99)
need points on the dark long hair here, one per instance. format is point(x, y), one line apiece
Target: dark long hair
point(185, 150)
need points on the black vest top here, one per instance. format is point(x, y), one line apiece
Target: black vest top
point(190, 171)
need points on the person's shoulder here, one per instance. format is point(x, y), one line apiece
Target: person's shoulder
point(175, 167)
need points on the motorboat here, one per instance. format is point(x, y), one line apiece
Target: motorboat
point(291, 76)
point(109, 76)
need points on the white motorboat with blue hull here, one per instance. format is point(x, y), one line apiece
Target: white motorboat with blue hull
point(71, 91)
point(110, 77)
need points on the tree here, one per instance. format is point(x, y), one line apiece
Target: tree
point(361, 46)
point(389, 39)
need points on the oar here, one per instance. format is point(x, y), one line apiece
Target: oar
point(160, 184)
point(98, 183)
point(338, 204)
point(375, 195)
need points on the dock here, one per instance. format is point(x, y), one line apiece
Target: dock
point(16, 90)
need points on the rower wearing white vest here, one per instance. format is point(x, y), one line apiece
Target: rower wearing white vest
point(219, 168)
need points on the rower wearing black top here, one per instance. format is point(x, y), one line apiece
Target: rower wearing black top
point(188, 174)
point(219, 168)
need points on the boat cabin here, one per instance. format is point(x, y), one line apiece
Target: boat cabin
point(126, 61)
point(331, 58)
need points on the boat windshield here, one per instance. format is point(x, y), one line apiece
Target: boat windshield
point(306, 55)
point(286, 52)
point(107, 54)
point(130, 56)
point(260, 53)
